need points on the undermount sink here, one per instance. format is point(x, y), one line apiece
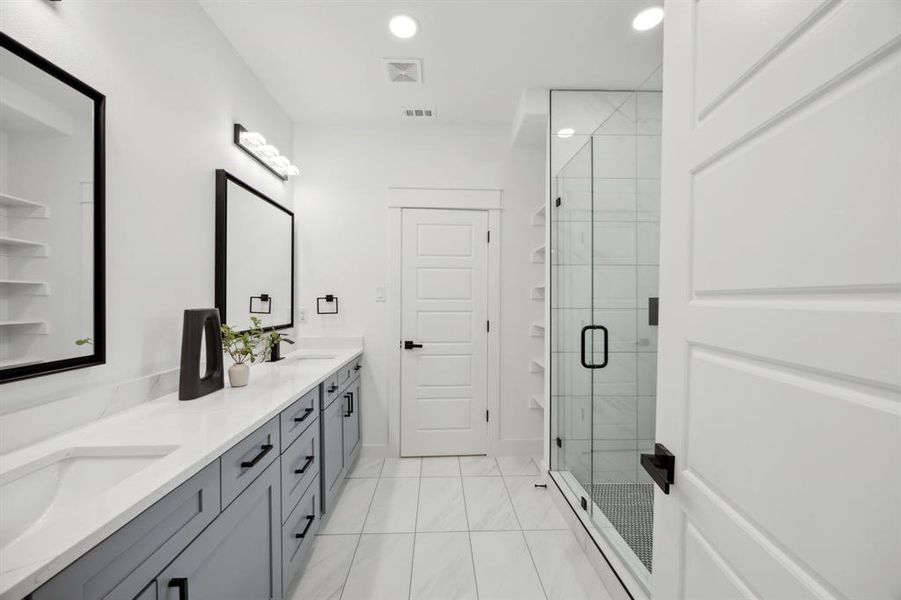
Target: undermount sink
point(295, 357)
point(32, 494)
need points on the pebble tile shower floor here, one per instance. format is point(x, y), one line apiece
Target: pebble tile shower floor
point(630, 508)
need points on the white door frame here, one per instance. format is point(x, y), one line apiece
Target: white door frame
point(453, 199)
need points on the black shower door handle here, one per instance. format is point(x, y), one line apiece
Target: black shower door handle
point(585, 362)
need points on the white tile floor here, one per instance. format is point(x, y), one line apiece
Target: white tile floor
point(446, 528)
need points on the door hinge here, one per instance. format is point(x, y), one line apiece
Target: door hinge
point(489, 236)
point(558, 202)
point(486, 416)
point(487, 325)
point(559, 442)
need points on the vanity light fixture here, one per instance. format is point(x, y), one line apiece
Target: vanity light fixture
point(649, 18)
point(267, 155)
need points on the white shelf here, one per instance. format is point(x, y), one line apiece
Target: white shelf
point(536, 402)
point(34, 209)
point(536, 330)
point(19, 243)
point(41, 326)
point(538, 217)
point(20, 362)
point(32, 288)
point(537, 292)
point(538, 255)
point(536, 366)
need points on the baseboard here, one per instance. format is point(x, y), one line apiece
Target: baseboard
point(516, 448)
point(375, 451)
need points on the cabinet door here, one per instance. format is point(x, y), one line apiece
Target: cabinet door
point(332, 451)
point(352, 423)
point(238, 557)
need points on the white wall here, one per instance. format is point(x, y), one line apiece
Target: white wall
point(174, 87)
point(343, 246)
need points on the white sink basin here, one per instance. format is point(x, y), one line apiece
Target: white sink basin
point(295, 358)
point(32, 494)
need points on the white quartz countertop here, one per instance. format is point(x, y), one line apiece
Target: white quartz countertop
point(199, 431)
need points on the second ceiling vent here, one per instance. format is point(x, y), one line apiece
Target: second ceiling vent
point(403, 70)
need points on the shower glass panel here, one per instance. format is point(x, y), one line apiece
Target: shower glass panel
point(604, 215)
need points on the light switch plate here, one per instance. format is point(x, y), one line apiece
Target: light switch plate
point(380, 293)
point(301, 315)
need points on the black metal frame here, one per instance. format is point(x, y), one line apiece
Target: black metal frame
point(236, 138)
point(222, 179)
point(99, 313)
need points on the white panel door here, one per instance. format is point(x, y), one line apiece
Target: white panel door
point(779, 388)
point(445, 309)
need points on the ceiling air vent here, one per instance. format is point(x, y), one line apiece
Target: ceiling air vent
point(420, 113)
point(403, 70)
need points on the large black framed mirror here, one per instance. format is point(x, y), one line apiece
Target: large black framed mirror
point(254, 256)
point(52, 210)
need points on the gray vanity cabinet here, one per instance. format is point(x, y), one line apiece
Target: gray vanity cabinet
point(333, 467)
point(238, 557)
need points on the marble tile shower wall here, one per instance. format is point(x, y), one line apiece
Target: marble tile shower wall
point(27, 425)
point(607, 266)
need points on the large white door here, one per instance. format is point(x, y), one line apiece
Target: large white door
point(779, 389)
point(444, 308)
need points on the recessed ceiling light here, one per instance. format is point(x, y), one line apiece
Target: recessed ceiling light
point(566, 132)
point(649, 18)
point(403, 26)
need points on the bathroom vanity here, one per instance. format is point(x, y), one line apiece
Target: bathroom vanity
point(216, 498)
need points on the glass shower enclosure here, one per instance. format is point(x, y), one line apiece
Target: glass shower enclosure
point(604, 215)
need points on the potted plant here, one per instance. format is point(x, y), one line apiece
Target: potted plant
point(244, 349)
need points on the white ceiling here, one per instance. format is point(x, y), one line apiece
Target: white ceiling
point(323, 60)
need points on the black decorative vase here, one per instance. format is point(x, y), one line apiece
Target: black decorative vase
point(200, 321)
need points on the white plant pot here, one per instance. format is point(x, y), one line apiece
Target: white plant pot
point(238, 374)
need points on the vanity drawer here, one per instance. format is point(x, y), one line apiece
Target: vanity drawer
point(296, 418)
point(120, 566)
point(300, 468)
point(330, 389)
point(344, 374)
point(247, 459)
point(303, 521)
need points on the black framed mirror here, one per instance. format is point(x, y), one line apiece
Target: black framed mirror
point(254, 256)
point(52, 212)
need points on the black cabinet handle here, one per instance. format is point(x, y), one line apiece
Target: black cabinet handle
point(352, 409)
point(305, 466)
point(264, 450)
point(661, 466)
point(350, 404)
point(310, 519)
point(584, 360)
point(409, 345)
point(306, 413)
point(182, 584)
point(332, 388)
point(358, 367)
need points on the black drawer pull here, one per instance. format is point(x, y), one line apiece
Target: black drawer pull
point(306, 413)
point(310, 519)
point(331, 389)
point(350, 404)
point(358, 367)
point(182, 584)
point(264, 450)
point(305, 466)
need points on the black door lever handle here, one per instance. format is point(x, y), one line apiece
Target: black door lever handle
point(661, 466)
point(409, 345)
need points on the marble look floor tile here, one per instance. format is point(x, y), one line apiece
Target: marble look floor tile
point(441, 466)
point(442, 567)
point(504, 569)
point(367, 467)
point(563, 567)
point(349, 512)
point(381, 568)
point(534, 506)
point(479, 466)
point(517, 465)
point(401, 467)
point(441, 505)
point(488, 506)
point(326, 570)
point(393, 508)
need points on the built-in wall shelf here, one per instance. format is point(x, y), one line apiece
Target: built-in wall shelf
point(30, 288)
point(536, 366)
point(538, 217)
point(538, 254)
point(536, 329)
point(41, 250)
point(537, 292)
point(23, 206)
point(33, 327)
point(20, 361)
point(536, 402)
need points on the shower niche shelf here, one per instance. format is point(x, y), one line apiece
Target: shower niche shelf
point(20, 207)
point(536, 366)
point(539, 216)
point(24, 288)
point(537, 292)
point(536, 330)
point(538, 255)
point(40, 250)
